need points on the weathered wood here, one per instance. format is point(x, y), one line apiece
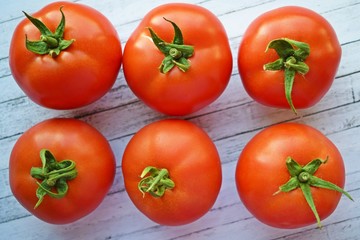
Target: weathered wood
point(231, 121)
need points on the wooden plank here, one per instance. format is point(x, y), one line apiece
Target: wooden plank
point(118, 101)
point(221, 218)
point(229, 152)
point(127, 29)
point(120, 90)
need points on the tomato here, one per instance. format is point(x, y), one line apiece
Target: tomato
point(287, 168)
point(178, 60)
point(70, 67)
point(289, 74)
point(172, 171)
point(61, 169)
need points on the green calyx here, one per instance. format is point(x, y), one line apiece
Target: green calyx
point(53, 175)
point(303, 177)
point(292, 55)
point(49, 43)
point(155, 181)
point(176, 53)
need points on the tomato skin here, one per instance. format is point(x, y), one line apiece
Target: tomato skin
point(267, 87)
point(82, 73)
point(176, 92)
point(193, 163)
point(66, 139)
point(261, 170)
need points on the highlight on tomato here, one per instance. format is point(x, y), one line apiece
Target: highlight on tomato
point(178, 60)
point(290, 175)
point(60, 170)
point(288, 58)
point(172, 172)
point(66, 55)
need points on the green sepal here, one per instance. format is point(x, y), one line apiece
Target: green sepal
point(302, 177)
point(53, 175)
point(306, 190)
point(41, 192)
point(282, 47)
point(59, 32)
point(49, 43)
point(159, 43)
point(320, 183)
point(38, 47)
point(302, 51)
point(155, 181)
point(176, 53)
point(39, 25)
point(178, 37)
point(278, 64)
point(167, 64)
point(290, 185)
point(314, 165)
point(289, 82)
point(293, 167)
point(292, 55)
point(183, 64)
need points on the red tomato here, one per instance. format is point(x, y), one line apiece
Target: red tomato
point(262, 175)
point(82, 72)
point(196, 77)
point(189, 167)
point(310, 84)
point(88, 181)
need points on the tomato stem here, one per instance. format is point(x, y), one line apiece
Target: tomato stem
point(155, 181)
point(302, 177)
point(53, 175)
point(291, 60)
point(49, 43)
point(176, 53)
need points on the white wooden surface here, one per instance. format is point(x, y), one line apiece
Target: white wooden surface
point(230, 121)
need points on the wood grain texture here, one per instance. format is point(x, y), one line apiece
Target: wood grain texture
point(231, 121)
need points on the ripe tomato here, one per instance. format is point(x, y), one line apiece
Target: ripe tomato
point(198, 61)
point(182, 162)
point(83, 157)
point(72, 71)
point(290, 151)
point(308, 62)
